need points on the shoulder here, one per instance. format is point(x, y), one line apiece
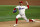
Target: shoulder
point(24, 6)
point(16, 6)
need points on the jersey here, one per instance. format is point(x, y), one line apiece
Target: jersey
point(21, 9)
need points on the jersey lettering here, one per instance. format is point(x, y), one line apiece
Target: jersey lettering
point(21, 8)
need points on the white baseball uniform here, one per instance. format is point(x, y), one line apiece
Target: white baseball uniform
point(21, 11)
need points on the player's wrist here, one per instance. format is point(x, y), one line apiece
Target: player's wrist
point(28, 6)
point(27, 2)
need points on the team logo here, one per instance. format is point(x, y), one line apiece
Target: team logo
point(21, 8)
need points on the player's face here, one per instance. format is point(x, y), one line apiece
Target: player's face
point(20, 3)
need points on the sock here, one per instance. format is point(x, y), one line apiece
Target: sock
point(30, 20)
point(16, 20)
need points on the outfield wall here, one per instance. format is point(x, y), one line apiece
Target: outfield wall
point(15, 2)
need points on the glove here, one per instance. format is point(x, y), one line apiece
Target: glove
point(15, 10)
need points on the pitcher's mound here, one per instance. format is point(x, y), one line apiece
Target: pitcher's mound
point(21, 23)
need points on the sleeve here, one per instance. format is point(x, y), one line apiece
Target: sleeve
point(17, 7)
point(26, 7)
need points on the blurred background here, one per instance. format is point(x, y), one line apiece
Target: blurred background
point(16, 2)
point(7, 6)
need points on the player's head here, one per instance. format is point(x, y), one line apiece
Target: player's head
point(21, 2)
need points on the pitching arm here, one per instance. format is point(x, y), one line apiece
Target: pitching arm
point(27, 4)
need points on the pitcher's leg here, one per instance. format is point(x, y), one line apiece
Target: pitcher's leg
point(24, 17)
point(18, 16)
point(27, 20)
point(16, 20)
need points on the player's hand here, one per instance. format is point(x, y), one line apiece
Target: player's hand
point(26, 2)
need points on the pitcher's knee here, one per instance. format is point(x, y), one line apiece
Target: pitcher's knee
point(16, 17)
point(23, 16)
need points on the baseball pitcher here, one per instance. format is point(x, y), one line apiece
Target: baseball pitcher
point(21, 14)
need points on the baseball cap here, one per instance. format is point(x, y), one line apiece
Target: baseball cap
point(21, 2)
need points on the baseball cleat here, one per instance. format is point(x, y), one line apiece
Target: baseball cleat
point(31, 20)
point(15, 25)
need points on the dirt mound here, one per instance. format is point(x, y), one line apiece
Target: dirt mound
point(21, 23)
point(16, 2)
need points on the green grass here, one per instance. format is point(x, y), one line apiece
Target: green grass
point(6, 13)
